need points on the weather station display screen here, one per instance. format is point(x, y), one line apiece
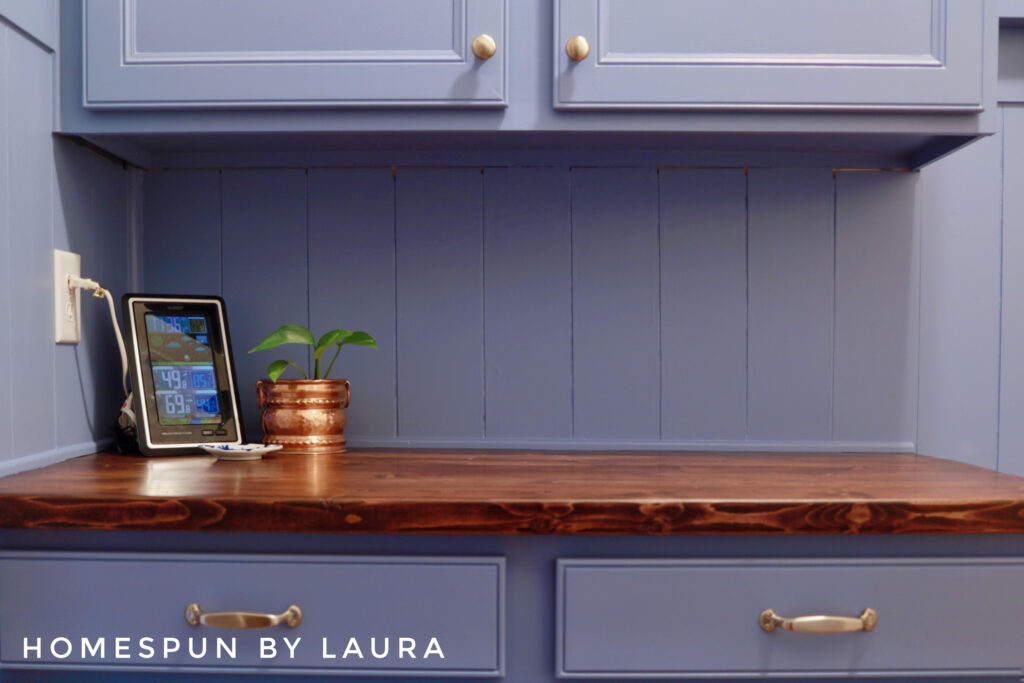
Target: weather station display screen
point(184, 381)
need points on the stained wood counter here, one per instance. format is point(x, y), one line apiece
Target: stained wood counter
point(516, 492)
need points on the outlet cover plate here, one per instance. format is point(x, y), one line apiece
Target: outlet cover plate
point(67, 303)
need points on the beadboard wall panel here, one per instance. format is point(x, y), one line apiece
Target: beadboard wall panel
point(791, 259)
point(352, 285)
point(1011, 384)
point(439, 254)
point(877, 260)
point(172, 221)
point(615, 295)
point(961, 218)
point(528, 303)
point(703, 304)
point(6, 258)
point(56, 401)
point(577, 307)
point(90, 218)
point(30, 208)
point(265, 267)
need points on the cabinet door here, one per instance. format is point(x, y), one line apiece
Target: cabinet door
point(911, 55)
point(204, 54)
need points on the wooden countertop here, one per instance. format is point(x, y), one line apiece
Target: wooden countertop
point(520, 492)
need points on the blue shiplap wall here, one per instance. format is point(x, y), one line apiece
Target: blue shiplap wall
point(1011, 368)
point(55, 401)
point(567, 306)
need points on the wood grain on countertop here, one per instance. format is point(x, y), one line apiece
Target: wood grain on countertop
point(517, 492)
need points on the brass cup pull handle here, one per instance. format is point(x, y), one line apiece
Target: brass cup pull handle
point(484, 46)
point(819, 623)
point(577, 48)
point(195, 616)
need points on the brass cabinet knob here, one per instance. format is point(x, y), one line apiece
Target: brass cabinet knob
point(577, 48)
point(820, 623)
point(196, 616)
point(484, 46)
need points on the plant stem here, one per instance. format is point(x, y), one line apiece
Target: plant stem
point(332, 361)
point(303, 372)
point(316, 369)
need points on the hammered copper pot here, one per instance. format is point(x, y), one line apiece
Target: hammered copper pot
point(304, 415)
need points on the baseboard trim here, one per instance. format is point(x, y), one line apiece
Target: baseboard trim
point(37, 460)
point(641, 445)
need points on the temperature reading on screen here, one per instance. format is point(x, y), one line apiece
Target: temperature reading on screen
point(184, 377)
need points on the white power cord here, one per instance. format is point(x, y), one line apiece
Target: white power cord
point(101, 293)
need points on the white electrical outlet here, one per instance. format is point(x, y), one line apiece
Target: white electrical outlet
point(67, 302)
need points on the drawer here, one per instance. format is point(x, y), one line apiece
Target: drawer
point(438, 616)
point(680, 619)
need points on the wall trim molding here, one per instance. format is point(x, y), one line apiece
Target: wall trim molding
point(639, 444)
point(44, 458)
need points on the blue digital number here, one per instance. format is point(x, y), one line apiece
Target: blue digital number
point(202, 378)
point(207, 404)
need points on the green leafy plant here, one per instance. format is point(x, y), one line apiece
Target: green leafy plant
point(297, 334)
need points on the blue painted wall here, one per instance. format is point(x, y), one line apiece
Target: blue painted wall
point(565, 306)
point(55, 401)
point(608, 306)
point(1011, 340)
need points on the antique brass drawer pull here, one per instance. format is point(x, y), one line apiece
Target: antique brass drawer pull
point(819, 623)
point(195, 616)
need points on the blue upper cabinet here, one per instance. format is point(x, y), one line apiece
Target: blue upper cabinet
point(851, 83)
point(799, 55)
point(218, 54)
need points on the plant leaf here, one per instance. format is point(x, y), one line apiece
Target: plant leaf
point(360, 339)
point(276, 368)
point(286, 334)
point(330, 339)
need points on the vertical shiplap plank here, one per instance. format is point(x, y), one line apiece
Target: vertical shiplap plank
point(182, 208)
point(352, 285)
point(703, 304)
point(265, 271)
point(877, 295)
point(6, 257)
point(104, 245)
point(90, 219)
point(790, 251)
point(527, 303)
point(439, 261)
point(1011, 385)
point(615, 303)
point(30, 153)
point(960, 242)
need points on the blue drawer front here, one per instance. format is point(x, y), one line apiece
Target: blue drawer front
point(203, 54)
point(680, 619)
point(912, 55)
point(423, 616)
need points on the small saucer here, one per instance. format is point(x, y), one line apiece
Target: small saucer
point(234, 451)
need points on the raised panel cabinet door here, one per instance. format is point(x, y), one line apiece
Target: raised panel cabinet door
point(209, 54)
point(814, 55)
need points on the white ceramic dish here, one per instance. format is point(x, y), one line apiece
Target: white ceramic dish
point(245, 451)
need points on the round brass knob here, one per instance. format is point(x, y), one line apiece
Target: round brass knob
point(484, 46)
point(577, 48)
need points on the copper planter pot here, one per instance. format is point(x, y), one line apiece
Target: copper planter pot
point(304, 415)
